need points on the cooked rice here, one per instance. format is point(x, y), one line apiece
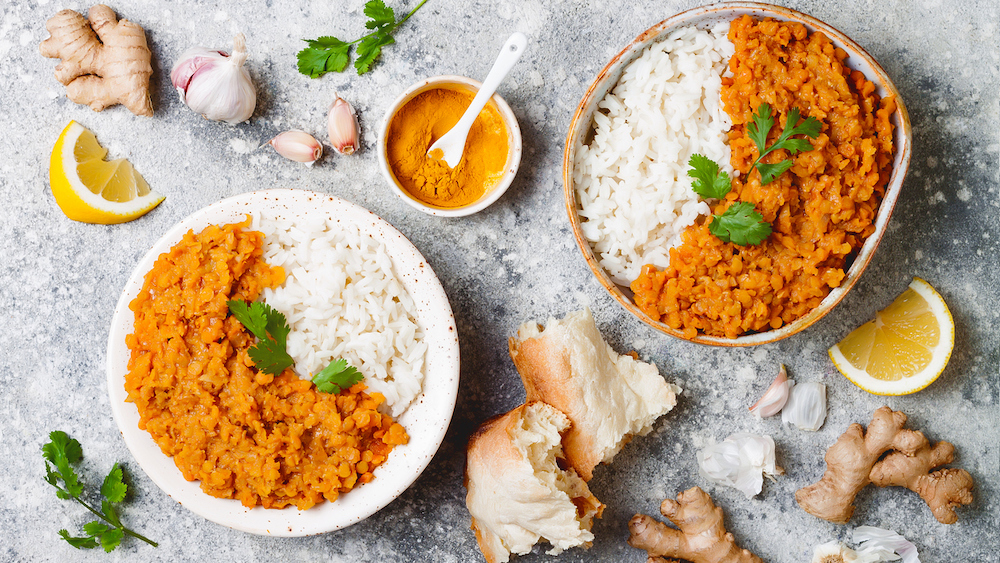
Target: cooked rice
point(342, 299)
point(631, 180)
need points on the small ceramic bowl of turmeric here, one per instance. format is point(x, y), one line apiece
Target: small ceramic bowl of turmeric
point(422, 114)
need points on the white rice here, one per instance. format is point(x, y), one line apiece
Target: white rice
point(631, 180)
point(342, 300)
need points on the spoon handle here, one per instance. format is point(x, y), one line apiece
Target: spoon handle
point(509, 55)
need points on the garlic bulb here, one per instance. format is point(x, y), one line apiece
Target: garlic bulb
point(342, 125)
point(298, 146)
point(886, 544)
point(775, 397)
point(739, 461)
point(806, 406)
point(838, 552)
point(215, 84)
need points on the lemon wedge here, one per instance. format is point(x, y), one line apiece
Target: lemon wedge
point(904, 349)
point(91, 189)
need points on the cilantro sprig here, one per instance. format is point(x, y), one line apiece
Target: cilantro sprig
point(269, 354)
point(336, 377)
point(740, 224)
point(329, 54)
point(708, 180)
point(271, 330)
point(59, 453)
point(761, 126)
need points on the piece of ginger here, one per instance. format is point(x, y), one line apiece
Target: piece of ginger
point(104, 61)
point(853, 461)
point(942, 490)
point(700, 536)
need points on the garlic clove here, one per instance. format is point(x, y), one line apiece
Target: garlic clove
point(772, 401)
point(806, 406)
point(298, 146)
point(343, 126)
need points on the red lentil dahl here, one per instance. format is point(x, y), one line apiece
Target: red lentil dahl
point(261, 439)
point(821, 211)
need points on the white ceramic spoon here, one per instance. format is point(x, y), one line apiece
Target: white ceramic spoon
point(452, 143)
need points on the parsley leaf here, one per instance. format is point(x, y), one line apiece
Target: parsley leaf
point(62, 450)
point(329, 54)
point(79, 543)
point(761, 126)
point(740, 224)
point(708, 180)
point(379, 15)
point(336, 377)
point(271, 330)
point(114, 487)
point(768, 172)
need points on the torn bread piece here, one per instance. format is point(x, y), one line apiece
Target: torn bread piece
point(517, 493)
point(608, 397)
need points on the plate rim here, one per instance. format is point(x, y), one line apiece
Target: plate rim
point(439, 391)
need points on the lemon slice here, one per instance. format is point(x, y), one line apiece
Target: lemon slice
point(904, 349)
point(91, 189)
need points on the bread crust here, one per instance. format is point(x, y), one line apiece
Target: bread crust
point(504, 489)
point(607, 397)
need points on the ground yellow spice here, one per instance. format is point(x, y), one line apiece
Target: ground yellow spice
point(421, 122)
point(265, 440)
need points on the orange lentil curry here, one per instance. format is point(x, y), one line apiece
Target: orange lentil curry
point(820, 211)
point(272, 441)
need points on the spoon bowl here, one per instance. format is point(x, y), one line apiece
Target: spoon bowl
point(452, 144)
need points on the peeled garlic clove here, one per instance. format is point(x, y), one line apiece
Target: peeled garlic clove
point(298, 146)
point(343, 127)
point(885, 544)
point(806, 406)
point(215, 84)
point(775, 397)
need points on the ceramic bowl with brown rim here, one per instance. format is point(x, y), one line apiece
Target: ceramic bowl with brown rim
point(705, 17)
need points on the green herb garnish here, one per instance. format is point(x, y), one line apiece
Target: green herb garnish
point(270, 355)
point(740, 224)
point(761, 126)
point(336, 377)
point(60, 452)
point(708, 180)
point(329, 54)
point(271, 330)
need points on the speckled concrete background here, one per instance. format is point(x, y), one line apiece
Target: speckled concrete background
point(59, 280)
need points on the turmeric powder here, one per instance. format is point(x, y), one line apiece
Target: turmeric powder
point(419, 123)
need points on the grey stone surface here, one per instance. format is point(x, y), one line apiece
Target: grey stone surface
point(59, 279)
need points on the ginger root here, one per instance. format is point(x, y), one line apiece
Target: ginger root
point(701, 536)
point(854, 461)
point(104, 61)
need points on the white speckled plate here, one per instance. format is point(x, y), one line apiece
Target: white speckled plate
point(426, 420)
